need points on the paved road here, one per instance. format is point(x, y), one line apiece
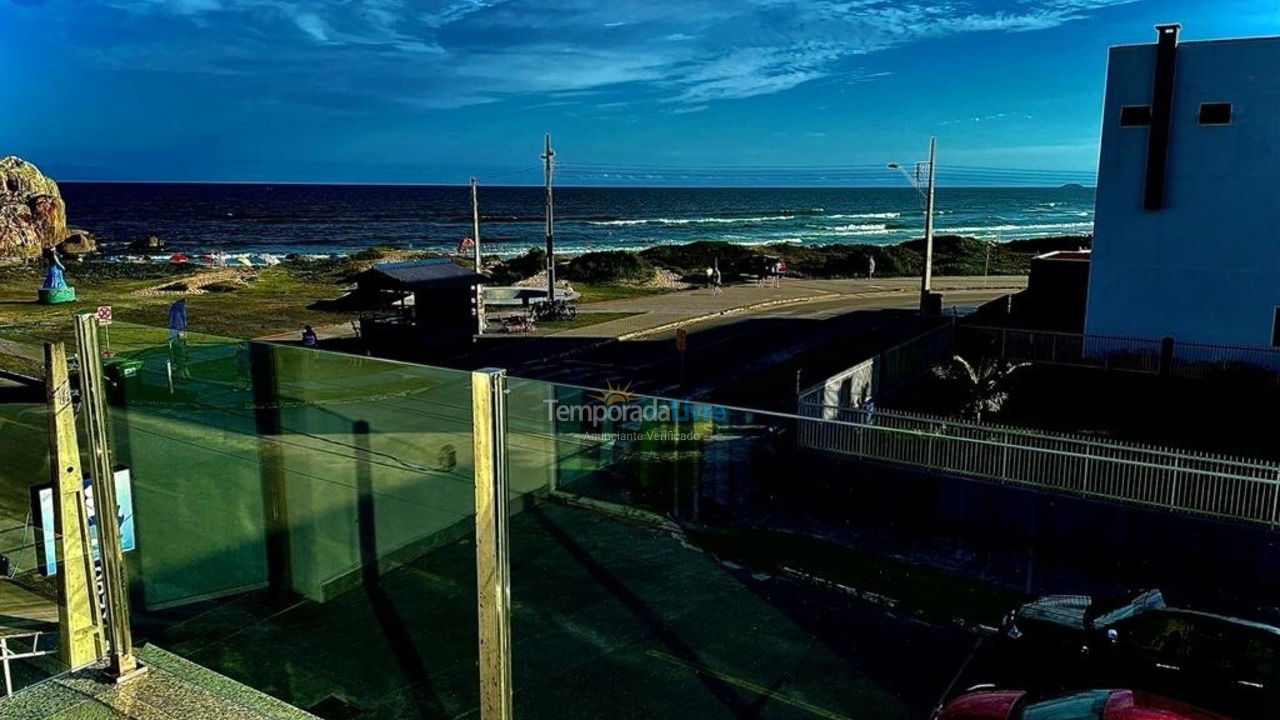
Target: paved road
point(817, 337)
point(656, 312)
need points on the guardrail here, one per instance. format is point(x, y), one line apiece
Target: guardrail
point(1197, 483)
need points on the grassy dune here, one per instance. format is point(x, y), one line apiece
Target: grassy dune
point(261, 301)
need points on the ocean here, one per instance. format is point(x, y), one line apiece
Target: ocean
point(331, 219)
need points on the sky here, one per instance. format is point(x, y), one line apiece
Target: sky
point(438, 90)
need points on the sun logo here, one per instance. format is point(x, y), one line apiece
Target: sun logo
point(614, 395)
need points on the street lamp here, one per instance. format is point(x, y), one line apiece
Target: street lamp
point(925, 188)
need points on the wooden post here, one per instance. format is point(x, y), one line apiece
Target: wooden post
point(493, 562)
point(80, 633)
point(124, 664)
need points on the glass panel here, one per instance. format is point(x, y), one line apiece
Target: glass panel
point(304, 519)
point(28, 597)
point(694, 560)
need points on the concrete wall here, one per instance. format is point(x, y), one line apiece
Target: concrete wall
point(1206, 267)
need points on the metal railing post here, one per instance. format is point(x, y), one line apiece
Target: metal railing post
point(1275, 501)
point(493, 560)
point(123, 663)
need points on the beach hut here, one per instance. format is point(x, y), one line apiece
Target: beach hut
point(431, 304)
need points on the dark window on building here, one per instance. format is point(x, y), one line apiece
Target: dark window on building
point(1275, 328)
point(1135, 116)
point(1215, 114)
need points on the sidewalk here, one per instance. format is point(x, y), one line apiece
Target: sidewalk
point(659, 312)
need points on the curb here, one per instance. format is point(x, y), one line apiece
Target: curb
point(722, 313)
point(775, 303)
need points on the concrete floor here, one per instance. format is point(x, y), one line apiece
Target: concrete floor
point(170, 688)
point(610, 620)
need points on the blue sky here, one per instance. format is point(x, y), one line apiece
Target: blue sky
point(435, 90)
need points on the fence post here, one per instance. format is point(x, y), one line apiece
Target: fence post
point(1275, 501)
point(493, 560)
point(1088, 468)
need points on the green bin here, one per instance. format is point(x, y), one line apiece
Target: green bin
point(119, 373)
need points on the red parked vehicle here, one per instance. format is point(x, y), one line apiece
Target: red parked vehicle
point(1084, 705)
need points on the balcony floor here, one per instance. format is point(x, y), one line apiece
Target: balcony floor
point(609, 620)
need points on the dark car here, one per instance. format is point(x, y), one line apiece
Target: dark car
point(1082, 705)
point(1221, 662)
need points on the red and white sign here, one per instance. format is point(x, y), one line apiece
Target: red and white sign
point(104, 314)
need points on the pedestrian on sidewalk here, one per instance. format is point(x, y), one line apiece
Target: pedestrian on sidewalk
point(716, 279)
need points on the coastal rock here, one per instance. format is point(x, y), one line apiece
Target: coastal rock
point(78, 242)
point(32, 215)
point(147, 244)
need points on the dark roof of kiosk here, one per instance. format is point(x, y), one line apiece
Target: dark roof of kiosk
point(419, 273)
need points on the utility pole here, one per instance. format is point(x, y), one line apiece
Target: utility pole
point(475, 222)
point(123, 663)
point(925, 188)
point(547, 155)
point(926, 280)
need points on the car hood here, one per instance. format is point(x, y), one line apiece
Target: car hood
point(981, 705)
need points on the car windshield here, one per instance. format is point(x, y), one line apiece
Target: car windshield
point(1087, 705)
point(1150, 600)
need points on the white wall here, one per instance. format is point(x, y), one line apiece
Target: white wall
point(1206, 267)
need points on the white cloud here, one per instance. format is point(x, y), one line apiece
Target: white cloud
point(684, 52)
point(312, 25)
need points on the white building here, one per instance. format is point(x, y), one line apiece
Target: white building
point(1188, 200)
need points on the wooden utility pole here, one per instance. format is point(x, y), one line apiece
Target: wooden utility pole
point(123, 662)
point(80, 637)
point(547, 166)
point(475, 222)
point(926, 279)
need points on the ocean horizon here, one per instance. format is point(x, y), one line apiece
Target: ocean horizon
point(325, 219)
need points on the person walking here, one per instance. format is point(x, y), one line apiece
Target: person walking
point(716, 279)
point(710, 279)
point(871, 267)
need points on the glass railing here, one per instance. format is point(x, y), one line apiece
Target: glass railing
point(304, 524)
point(304, 519)
point(28, 595)
point(697, 560)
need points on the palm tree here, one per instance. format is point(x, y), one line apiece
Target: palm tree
point(983, 388)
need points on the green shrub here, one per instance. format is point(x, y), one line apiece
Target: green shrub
point(519, 268)
point(691, 260)
point(616, 266)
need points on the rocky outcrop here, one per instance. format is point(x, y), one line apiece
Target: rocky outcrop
point(78, 242)
point(147, 244)
point(32, 215)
